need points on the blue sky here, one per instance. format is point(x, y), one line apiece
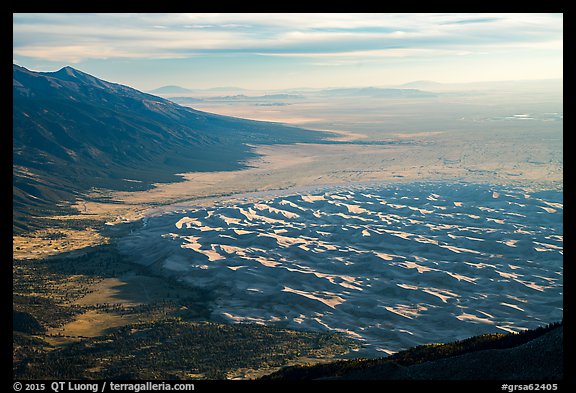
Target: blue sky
point(275, 51)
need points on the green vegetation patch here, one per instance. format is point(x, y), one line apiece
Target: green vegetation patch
point(176, 349)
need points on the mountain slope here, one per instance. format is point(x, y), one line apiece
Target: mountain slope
point(73, 132)
point(530, 355)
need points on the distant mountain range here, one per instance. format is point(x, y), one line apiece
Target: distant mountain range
point(171, 89)
point(189, 97)
point(73, 131)
point(174, 89)
point(378, 92)
point(266, 99)
point(423, 84)
point(549, 85)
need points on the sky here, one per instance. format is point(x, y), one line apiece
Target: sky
point(281, 51)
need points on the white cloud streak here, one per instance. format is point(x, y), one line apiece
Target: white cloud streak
point(77, 37)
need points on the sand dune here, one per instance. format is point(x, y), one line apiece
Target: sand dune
point(390, 265)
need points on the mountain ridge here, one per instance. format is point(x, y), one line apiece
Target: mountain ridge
point(73, 132)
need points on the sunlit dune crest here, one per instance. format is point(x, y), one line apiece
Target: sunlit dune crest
point(552, 204)
point(422, 239)
point(229, 220)
point(267, 262)
point(235, 267)
point(356, 209)
point(458, 249)
point(386, 257)
point(414, 265)
point(496, 220)
point(329, 300)
point(550, 246)
point(386, 351)
point(407, 311)
point(508, 329)
point(474, 318)
point(312, 198)
point(233, 250)
point(245, 319)
point(547, 209)
point(461, 277)
point(421, 211)
point(251, 214)
point(284, 241)
point(192, 243)
point(531, 285)
point(408, 286)
point(292, 204)
point(559, 238)
point(335, 196)
point(512, 306)
point(188, 222)
point(478, 265)
point(347, 216)
point(510, 243)
point(241, 232)
point(442, 294)
point(285, 213)
point(400, 234)
point(507, 275)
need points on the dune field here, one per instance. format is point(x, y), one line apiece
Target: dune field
point(391, 265)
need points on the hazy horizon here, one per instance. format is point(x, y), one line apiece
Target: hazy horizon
point(435, 84)
point(282, 51)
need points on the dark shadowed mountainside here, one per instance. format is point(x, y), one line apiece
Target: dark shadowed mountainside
point(73, 132)
point(531, 355)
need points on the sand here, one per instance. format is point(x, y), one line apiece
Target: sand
point(429, 268)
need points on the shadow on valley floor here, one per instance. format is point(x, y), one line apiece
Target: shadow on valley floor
point(93, 314)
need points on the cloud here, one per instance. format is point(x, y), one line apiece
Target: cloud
point(471, 20)
point(77, 37)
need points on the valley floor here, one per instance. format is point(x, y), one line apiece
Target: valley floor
point(517, 158)
point(89, 295)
